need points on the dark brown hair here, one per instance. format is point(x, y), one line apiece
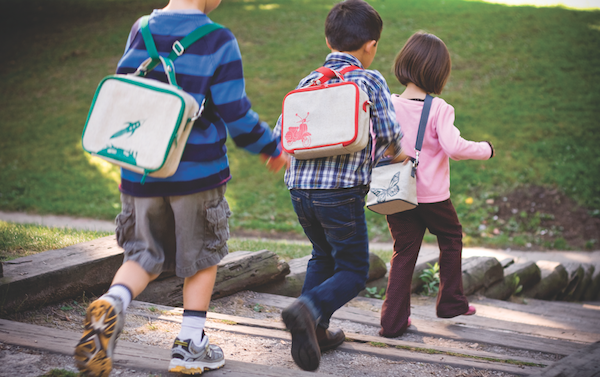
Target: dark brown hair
point(352, 23)
point(425, 61)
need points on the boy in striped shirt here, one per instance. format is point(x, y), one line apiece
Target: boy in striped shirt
point(328, 193)
point(181, 222)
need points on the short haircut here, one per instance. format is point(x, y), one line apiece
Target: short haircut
point(352, 23)
point(425, 61)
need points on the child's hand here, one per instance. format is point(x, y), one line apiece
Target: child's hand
point(402, 157)
point(275, 164)
point(391, 151)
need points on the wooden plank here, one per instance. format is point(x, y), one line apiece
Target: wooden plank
point(240, 324)
point(393, 349)
point(55, 275)
point(497, 315)
point(570, 313)
point(405, 355)
point(127, 354)
point(446, 329)
point(583, 363)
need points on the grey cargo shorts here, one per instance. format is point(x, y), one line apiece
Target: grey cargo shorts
point(183, 233)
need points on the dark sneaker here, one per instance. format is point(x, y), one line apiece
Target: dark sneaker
point(329, 339)
point(305, 348)
point(103, 324)
point(187, 358)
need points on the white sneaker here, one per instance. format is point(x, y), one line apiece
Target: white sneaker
point(187, 358)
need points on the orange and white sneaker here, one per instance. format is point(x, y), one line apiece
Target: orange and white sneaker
point(103, 323)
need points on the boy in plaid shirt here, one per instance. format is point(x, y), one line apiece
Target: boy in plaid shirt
point(328, 193)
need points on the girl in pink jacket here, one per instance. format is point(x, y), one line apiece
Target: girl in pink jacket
point(423, 66)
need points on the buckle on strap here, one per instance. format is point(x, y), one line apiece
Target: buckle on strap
point(178, 48)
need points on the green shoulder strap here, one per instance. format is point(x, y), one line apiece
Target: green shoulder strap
point(148, 40)
point(178, 49)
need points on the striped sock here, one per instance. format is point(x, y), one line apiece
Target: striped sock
point(192, 325)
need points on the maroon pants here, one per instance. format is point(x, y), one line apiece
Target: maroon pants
point(407, 229)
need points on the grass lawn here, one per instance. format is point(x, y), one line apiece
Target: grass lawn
point(525, 78)
point(21, 240)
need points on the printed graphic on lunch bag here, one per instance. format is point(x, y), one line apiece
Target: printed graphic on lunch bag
point(295, 134)
point(119, 154)
point(392, 190)
point(130, 129)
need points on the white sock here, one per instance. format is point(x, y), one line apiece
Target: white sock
point(192, 326)
point(122, 292)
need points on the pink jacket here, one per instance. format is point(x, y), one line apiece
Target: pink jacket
point(442, 141)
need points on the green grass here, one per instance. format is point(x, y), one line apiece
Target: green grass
point(285, 250)
point(525, 78)
point(20, 240)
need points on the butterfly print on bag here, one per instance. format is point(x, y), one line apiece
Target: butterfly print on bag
point(383, 193)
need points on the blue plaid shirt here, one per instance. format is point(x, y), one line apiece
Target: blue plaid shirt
point(348, 170)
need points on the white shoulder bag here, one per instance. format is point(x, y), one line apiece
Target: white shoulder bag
point(394, 186)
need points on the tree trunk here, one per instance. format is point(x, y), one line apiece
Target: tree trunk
point(236, 272)
point(592, 293)
point(480, 272)
point(588, 271)
point(522, 274)
point(554, 279)
point(291, 286)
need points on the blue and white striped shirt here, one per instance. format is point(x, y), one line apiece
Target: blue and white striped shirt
point(209, 69)
point(348, 170)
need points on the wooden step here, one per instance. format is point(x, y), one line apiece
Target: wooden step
point(391, 349)
point(583, 363)
point(54, 275)
point(174, 315)
point(486, 332)
point(155, 359)
point(580, 316)
point(127, 354)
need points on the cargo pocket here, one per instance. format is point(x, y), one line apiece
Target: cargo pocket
point(217, 232)
point(125, 222)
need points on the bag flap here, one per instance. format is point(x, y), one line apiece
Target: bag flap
point(136, 119)
point(318, 116)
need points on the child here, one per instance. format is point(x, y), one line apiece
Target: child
point(328, 193)
point(423, 66)
point(180, 222)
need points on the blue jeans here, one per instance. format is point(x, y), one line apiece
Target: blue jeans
point(334, 221)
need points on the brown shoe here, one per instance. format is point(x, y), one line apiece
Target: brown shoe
point(329, 339)
point(305, 348)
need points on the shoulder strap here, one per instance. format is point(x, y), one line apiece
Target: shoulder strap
point(423, 121)
point(148, 40)
point(421, 132)
point(178, 49)
point(329, 73)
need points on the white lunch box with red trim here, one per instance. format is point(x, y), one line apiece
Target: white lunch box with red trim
point(324, 120)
